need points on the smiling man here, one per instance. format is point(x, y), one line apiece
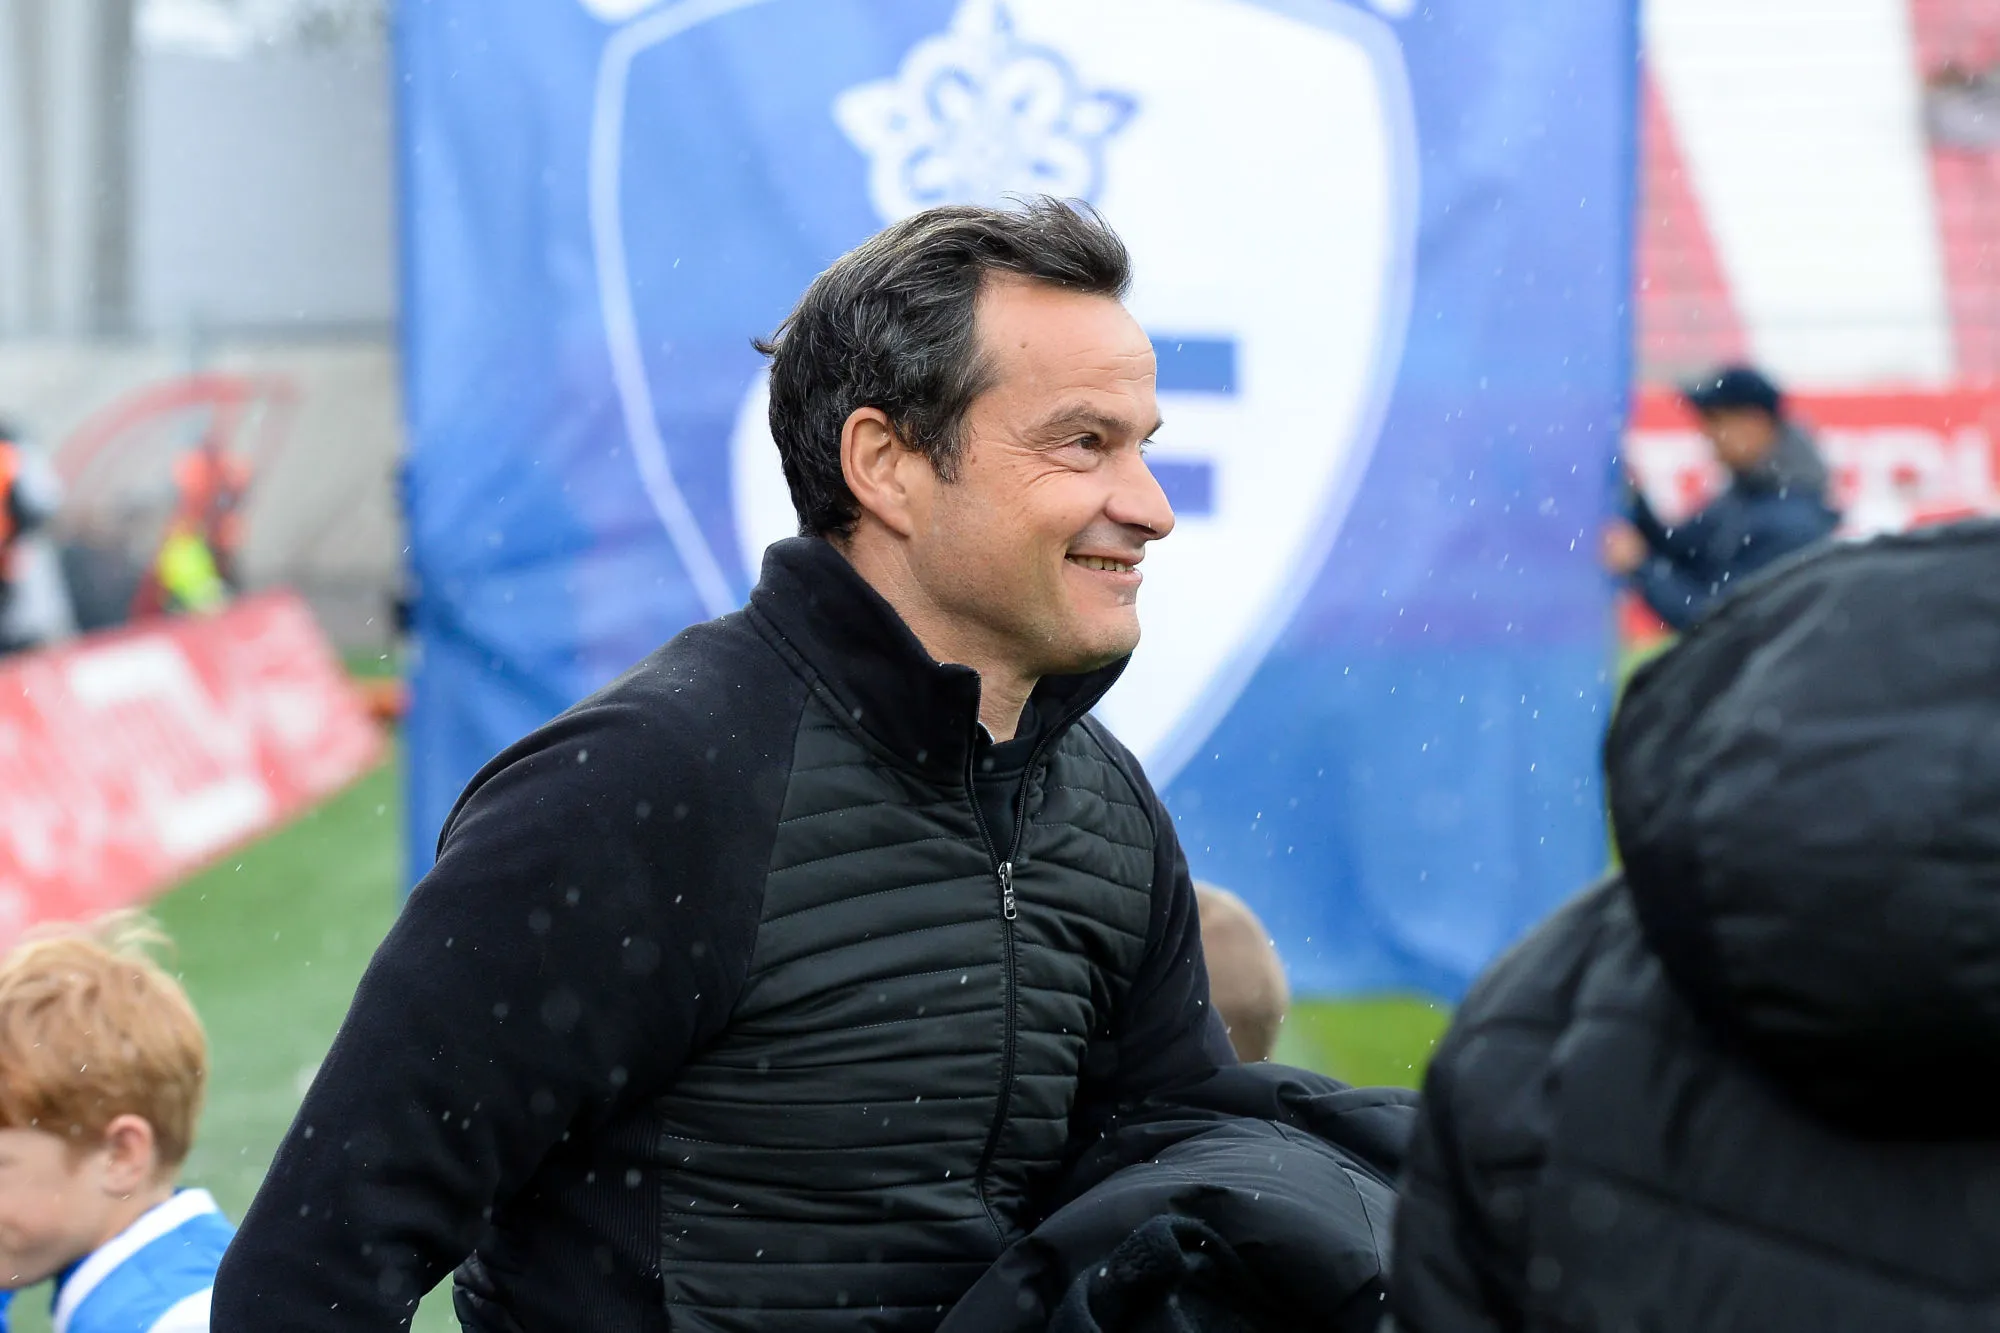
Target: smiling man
point(772, 987)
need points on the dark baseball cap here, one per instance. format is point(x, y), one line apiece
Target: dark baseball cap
point(1733, 386)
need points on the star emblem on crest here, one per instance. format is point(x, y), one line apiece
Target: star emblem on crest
point(977, 113)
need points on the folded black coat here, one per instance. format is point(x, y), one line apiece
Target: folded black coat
point(1262, 1204)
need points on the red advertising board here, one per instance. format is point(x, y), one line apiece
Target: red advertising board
point(129, 758)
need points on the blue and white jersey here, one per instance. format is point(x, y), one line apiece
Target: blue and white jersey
point(156, 1276)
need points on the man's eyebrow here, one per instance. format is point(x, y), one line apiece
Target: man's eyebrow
point(1072, 417)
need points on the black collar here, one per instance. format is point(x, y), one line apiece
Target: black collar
point(923, 711)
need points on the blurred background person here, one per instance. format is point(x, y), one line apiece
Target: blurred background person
point(197, 568)
point(1246, 979)
point(211, 486)
point(1744, 1085)
point(32, 609)
point(1776, 503)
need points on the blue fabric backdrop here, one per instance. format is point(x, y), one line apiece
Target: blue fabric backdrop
point(1387, 738)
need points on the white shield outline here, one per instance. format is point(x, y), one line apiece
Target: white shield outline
point(649, 451)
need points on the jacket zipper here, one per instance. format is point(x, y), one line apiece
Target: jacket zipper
point(1003, 872)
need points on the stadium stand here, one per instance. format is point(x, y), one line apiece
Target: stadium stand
point(1958, 43)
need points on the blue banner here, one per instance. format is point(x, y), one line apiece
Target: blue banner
point(1383, 252)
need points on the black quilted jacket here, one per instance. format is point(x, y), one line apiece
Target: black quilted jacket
point(725, 1008)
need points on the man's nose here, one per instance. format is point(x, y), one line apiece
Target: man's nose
point(1138, 501)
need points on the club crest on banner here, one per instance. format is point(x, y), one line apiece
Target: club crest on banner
point(977, 114)
point(1257, 156)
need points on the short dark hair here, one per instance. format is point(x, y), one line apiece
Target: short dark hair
point(890, 326)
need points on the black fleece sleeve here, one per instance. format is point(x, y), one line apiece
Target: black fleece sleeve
point(585, 926)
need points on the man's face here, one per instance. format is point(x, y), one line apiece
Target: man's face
point(1742, 436)
point(53, 1206)
point(1033, 550)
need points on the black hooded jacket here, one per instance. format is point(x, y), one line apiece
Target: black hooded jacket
point(728, 1007)
point(1749, 1085)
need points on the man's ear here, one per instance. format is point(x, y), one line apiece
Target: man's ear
point(886, 477)
point(131, 1156)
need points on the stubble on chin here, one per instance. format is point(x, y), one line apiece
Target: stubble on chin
point(1096, 647)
